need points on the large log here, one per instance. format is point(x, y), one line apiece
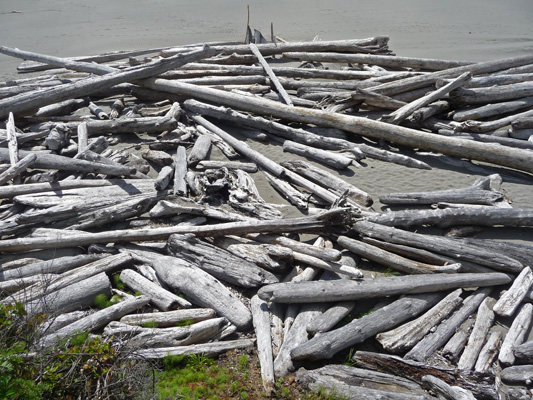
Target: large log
point(169, 318)
point(518, 159)
point(218, 262)
point(342, 290)
point(329, 343)
point(261, 322)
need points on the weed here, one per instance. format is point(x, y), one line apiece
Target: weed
point(243, 362)
point(117, 283)
point(185, 322)
point(101, 301)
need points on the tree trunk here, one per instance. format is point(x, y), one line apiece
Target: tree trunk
point(168, 319)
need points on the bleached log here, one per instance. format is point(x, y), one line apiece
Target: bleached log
point(159, 297)
point(163, 178)
point(55, 266)
point(158, 157)
point(510, 300)
point(180, 171)
point(446, 391)
point(305, 292)
point(428, 111)
point(521, 134)
point(516, 334)
point(54, 323)
point(28, 101)
point(443, 245)
point(344, 270)
point(211, 164)
point(375, 99)
point(518, 374)
point(12, 191)
point(289, 192)
point(218, 262)
point(406, 336)
point(490, 110)
point(16, 169)
point(331, 317)
point(198, 332)
point(362, 384)
point(200, 150)
point(95, 321)
point(329, 180)
point(492, 94)
point(14, 285)
point(323, 253)
point(169, 318)
point(491, 126)
point(523, 123)
point(207, 349)
point(261, 322)
point(445, 330)
point(62, 108)
point(181, 205)
point(75, 296)
point(402, 113)
point(329, 343)
point(484, 320)
point(488, 353)
point(389, 156)
point(389, 259)
point(445, 218)
point(524, 352)
point(12, 143)
point(198, 286)
point(326, 157)
point(457, 343)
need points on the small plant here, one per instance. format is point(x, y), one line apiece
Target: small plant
point(185, 322)
point(149, 324)
point(243, 362)
point(101, 301)
point(117, 283)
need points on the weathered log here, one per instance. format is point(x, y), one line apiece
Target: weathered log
point(516, 334)
point(402, 113)
point(521, 134)
point(25, 102)
point(490, 110)
point(484, 320)
point(524, 352)
point(457, 343)
point(14, 285)
point(406, 336)
point(159, 297)
point(181, 205)
point(490, 126)
point(169, 318)
point(510, 300)
point(95, 321)
point(180, 171)
point(324, 156)
point(429, 111)
point(207, 349)
point(200, 150)
point(443, 245)
point(323, 253)
point(75, 296)
point(261, 322)
point(163, 178)
point(446, 391)
point(488, 353)
point(481, 385)
point(16, 169)
point(376, 100)
point(445, 330)
point(518, 374)
point(389, 156)
point(331, 317)
point(388, 259)
point(210, 164)
point(218, 262)
point(356, 383)
point(492, 94)
point(305, 292)
point(399, 135)
point(329, 343)
point(198, 286)
point(54, 323)
point(289, 192)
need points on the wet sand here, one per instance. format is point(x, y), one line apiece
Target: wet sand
point(453, 29)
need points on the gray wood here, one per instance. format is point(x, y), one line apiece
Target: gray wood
point(508, 303)
point(163, 178)
point(516, 335)
point(490, 110)
point(446, 391)
point(323, 156)
point(518, 374)
point(16, 169)
point(492, 94)
point(457, 343)
point(200, 150)
point(247, 167)
point(488, 353)
point(180, 172)
point(407, 335)
point(331, 317)
point(329, 343)
point(169, 318)
point(306, 292)
point(427, 346)
point(390, 156)
point(261, 322)
point(218, 262)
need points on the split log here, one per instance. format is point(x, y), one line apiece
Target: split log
point(159, 297)
point(518, 374)
point(510, 300)
point(261, 322)
point(315, 291)
point(16, 169)
point(198, 286)
point(207, 349)
point(446, 218)
point(329, 343)
point(446, 391)
point(169, 318)
point(329, 180)
point(406, 336)
point(445, 330)
point(516, 334)
point(402, 113)
point(481, 385)
point(488, 353)
point(484, 320)
point(180, 172)
point(331, 317)
point(443, 245)
point(27, 101)
point(399, 135)
point(356, 383)
point(325, 157)
point(457, 343)
point(388, 259)
point(218, 262)
point(95, 321)
point(79, 294)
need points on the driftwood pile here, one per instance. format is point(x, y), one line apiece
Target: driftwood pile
point(110, 171)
